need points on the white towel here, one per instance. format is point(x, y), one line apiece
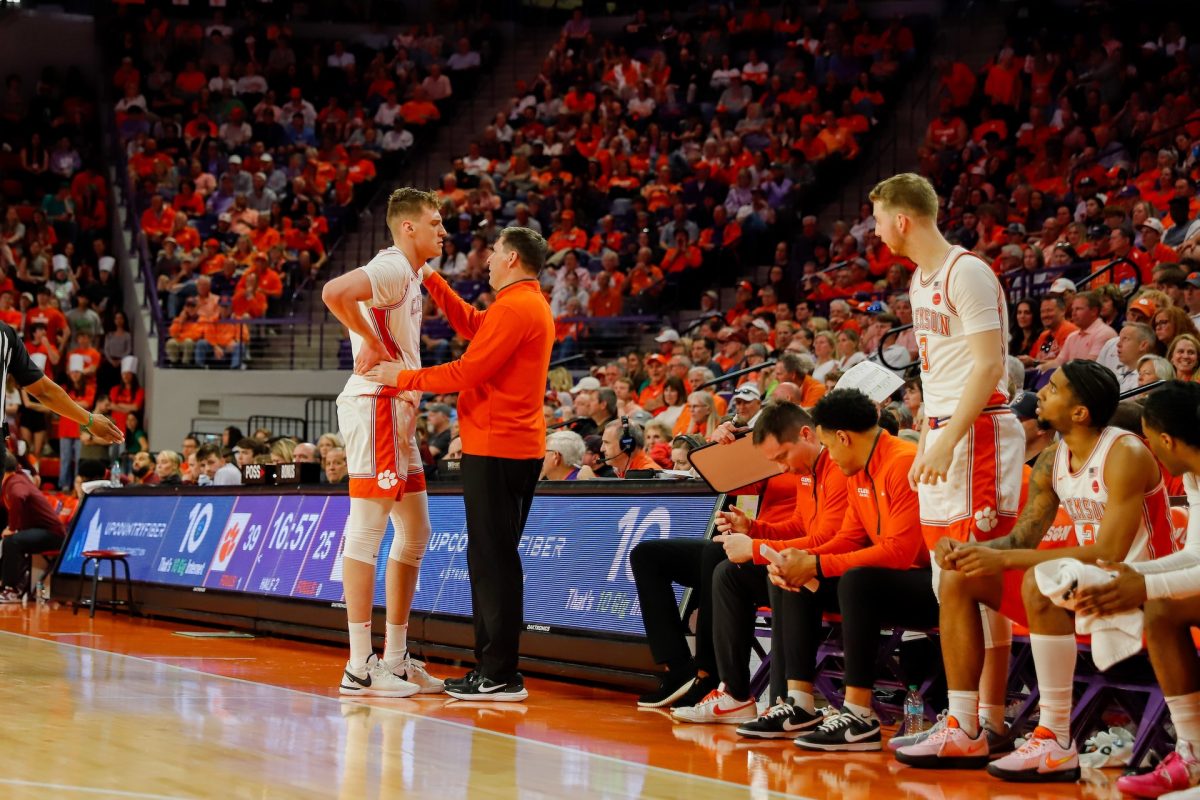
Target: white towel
point(1114, 637)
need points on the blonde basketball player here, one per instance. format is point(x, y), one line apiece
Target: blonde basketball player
point(968, 467)
point(380, 304)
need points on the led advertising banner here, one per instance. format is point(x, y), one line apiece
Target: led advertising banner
point(575, 549)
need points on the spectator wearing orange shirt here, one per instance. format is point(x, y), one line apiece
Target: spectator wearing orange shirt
point(188, 200)
point(264, 237)
point(812, 147)
point(9, 314)
point(142, 164)
point(568, 235)
point(270, 282)
point(946, 132)
point(157, 220)
point(300, 238)
point(1157, 252)
point(609, 238)
point(1055, 330)
point(248, 301)
point(420, 110)
point(682, 256)
point(222, 338)
point(186, 330)
point(650, 397)
point(606, 299)
point(89, 356)
point(190, 80)
point(724, 233)
point(45, 313)
point(212, 260)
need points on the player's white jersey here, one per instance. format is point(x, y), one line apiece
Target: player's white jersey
point(393, 312)
point(1084, 495)
point(961, 298)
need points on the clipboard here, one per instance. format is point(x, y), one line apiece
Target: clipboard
point(728, 467)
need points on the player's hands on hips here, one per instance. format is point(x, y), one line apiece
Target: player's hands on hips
point(370, 353)
point(733, 521)
point(975, 561)
point(945, 552)
point(104, 431)
point(739, 548)
point(1125, 592)
point(385, 372)
point(931, 465)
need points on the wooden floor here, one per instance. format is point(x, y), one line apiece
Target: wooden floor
point(125, 709)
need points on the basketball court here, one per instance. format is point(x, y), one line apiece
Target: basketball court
point(127, 709)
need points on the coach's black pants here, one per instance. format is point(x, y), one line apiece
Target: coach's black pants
point(656, 565)
point(497, 493)
point(739, 590)
point(868, 598)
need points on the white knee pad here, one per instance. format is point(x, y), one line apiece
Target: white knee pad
point(365, 527)
point(997, 628)
point(410, 519)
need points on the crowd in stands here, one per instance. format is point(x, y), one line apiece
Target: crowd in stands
point(666, 160)
point(59, 285)
point(249, 151)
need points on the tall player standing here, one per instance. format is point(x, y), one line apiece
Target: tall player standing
point(968, 467)
point(380, 304)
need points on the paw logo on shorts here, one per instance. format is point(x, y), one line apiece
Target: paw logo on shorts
point(986, 519)
point(387, 479)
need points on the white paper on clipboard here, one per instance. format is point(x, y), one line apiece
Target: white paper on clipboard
point(728, 467)
point(875, 381)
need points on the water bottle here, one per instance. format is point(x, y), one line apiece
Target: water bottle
point(914, 711)
point(41, 594)
point(114, 474)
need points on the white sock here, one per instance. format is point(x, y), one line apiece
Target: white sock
point(804, 700)
point(395, 646)
point(865, 712)
point(1054, 661)
point(964, 707)
point(1185, 714)
point(992, 716)
point(360, 642)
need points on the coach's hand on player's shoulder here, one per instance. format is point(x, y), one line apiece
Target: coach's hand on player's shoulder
point(370, 353)
point(104, 430)
point(975, 561)
point(1125, 592)
point(932, 464)
point(385, 372)
point(739, 548)
point(946, 551)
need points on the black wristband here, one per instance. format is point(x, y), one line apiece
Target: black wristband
point(819, 575)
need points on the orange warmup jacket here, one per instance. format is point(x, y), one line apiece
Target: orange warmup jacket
point(502, 376)
point(882, 527)
point(816, 516)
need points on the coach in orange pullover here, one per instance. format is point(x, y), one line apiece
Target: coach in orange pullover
point(502, 383)
point(874, 572)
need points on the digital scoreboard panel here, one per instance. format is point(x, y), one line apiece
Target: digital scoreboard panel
point(288, 544)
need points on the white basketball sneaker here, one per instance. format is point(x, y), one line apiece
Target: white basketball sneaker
point(374, 679)
point(413, 671)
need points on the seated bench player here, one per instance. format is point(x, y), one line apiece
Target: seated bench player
point(1110, 485)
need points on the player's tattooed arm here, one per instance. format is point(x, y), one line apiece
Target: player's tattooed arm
point(1040, 507)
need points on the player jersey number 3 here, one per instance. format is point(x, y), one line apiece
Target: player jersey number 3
point(923, 352)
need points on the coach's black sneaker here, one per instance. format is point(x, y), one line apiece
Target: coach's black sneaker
point(1000, 743)
point(700, 689)
point(781, 721)
point(844, 731)
point(510, 691)
point(671, 687)
point(463, 683)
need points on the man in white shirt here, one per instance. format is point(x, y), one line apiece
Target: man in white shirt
point(1121, 354)
point(1168, 589)
point(464, 58)
point(1191, 296)
point(215, 468)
